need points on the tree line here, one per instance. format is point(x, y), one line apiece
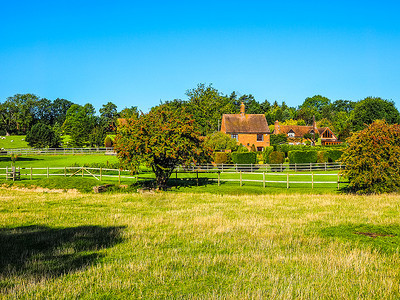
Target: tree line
point(21, 112)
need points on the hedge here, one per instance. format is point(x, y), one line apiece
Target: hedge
point(267, 151)
point(322, 157)
point(334, 155)
point(221, 157)
point(301, 157)
point(244, 157)
point(276, 157)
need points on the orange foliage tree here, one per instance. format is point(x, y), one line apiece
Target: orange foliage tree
point(162, 139)
point(372, 159)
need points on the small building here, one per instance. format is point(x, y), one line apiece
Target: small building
point(297, 132)
point(247, 129)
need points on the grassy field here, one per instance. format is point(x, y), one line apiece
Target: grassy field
point(184, 245)
point(184, 182)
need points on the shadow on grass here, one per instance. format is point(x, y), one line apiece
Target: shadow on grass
point(190, 182)
point(41, 251)
point(385, 239)
point(8, 158)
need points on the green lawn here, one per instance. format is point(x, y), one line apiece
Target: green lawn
point(184, 182)
point(13, 142)
point(201, 246)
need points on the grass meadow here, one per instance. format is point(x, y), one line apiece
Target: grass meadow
point(74, 245)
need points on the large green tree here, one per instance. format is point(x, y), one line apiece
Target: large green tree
point(43, 136)
point(163, 139)
point(79, 124)
point(374, 108)
point(372, 159)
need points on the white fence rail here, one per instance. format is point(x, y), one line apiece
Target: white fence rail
point(57, 151)
point(310, 167)
point(215, 175)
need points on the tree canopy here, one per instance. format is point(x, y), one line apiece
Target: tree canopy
point(163, 139)
point(372, 159)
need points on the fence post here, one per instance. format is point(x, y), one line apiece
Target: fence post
point(338, 180)
point(251, 168)
point(65, 171)
point(287, 181)
point(219, 178)
point(48, 172)
point(295, 167)
point(197, 178)
point(312, 180)
point(325, 166)
point(281, 167)
point(101, 173)
point(240, 178)
point(6, 172)
point(31, 173)
point(263, 179)
point(119, 176)
point(310, 168)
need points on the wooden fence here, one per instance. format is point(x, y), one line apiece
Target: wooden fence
point(264, 178)
point(58, 151)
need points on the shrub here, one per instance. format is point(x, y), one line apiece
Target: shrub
point(300, 157)
point(277, 139)
point(108, 142)
point(334, 155)
point(276, 157)
point(244, 157)
point(372, 159)
point(221, 157)
point(267, 151)
point(322, 157)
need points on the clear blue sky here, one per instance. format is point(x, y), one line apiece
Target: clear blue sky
point(136, 53)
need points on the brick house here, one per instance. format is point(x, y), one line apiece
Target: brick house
point(247, 129)
point(297, 132)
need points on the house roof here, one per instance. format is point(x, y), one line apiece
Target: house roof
point(299, 130)
point(247, 123)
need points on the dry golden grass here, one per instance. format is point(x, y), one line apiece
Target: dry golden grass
point(199, 246)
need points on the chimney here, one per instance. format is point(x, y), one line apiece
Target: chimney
point(314, 124)
point(242, 109)
point(276, 127)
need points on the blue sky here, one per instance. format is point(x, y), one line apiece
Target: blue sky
point(138, 53)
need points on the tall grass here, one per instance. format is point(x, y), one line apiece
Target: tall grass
point(182, 245)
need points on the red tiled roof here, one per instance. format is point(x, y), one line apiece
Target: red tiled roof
point(249, 123)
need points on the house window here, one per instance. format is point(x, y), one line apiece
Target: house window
point(327, 134)
point(260, 149)
point(234, 136)
point(290, 134)
point(260, 137)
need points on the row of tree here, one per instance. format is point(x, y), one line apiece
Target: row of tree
point(19, 113)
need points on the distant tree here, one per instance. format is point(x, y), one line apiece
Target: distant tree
point(59, 109)
point(343, 105)
point(42, 136)
point(317, 102)
point(97, 136)
point(163, 139)
point(312, 137)
point(16, 113)
point(108, 115)
point(219, 141)
point(79, 123)
point(370, 109)
point(131, 112)
point(372, 159)
point(278, 139)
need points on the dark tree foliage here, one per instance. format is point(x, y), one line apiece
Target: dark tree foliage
point(163, 139)
point(370, 109)
point(277, 139)
point(42, 136)
point(79, 124)
point(372, 159)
